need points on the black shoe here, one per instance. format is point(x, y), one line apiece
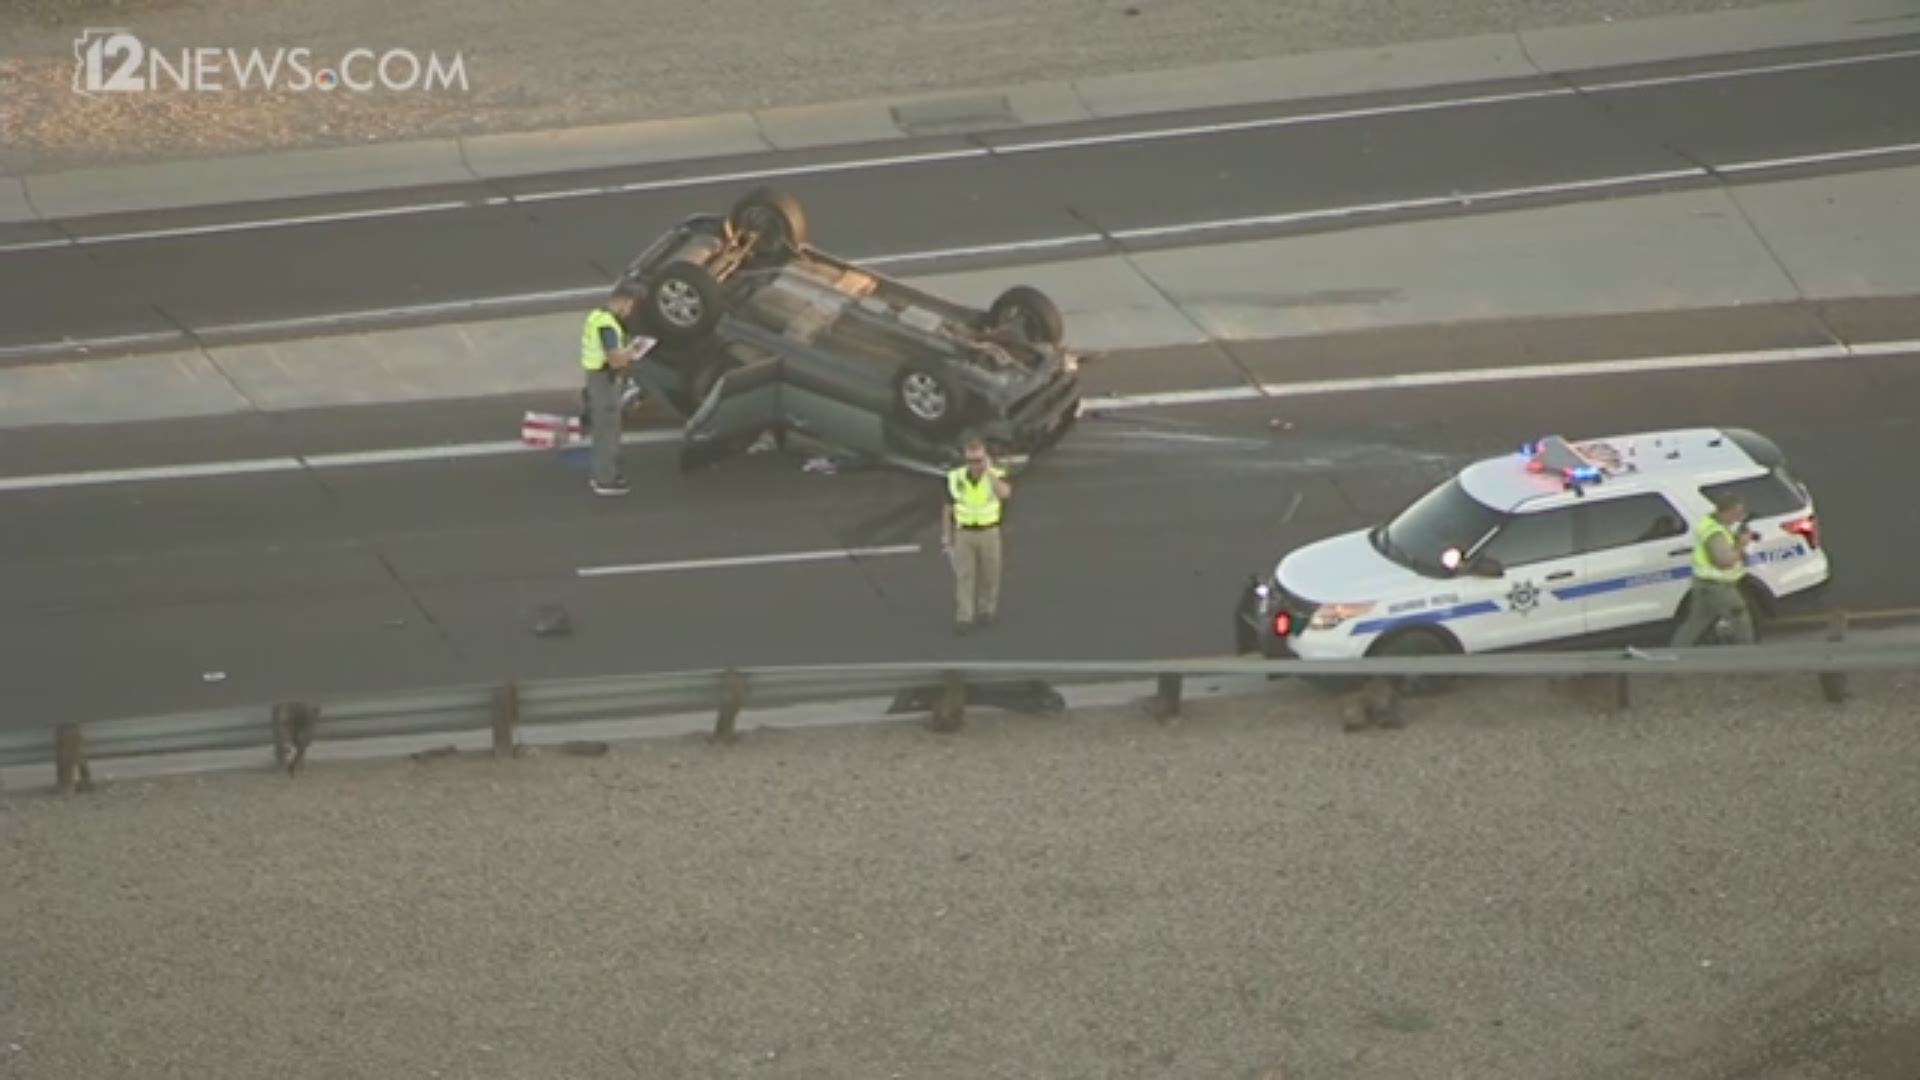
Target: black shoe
point(984, 621)
point(962, 629)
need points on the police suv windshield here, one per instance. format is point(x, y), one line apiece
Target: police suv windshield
point(1444, 518)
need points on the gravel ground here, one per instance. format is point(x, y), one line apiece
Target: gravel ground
point(546, 63)
point(1722, 884)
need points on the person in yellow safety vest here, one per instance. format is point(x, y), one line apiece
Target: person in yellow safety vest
point(1719, 565)
point(605, 352)
point(970, 535)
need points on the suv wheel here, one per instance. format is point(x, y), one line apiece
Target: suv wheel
point(774, 217)
point(929, 398)
point(1030, 311)
point(684, 302)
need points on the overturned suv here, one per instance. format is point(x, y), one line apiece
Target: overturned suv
point(759, 332)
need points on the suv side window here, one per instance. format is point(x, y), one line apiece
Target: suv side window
point(1632, 519)
point(1533, 538)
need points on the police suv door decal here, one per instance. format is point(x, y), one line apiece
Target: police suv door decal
point(1523, 597)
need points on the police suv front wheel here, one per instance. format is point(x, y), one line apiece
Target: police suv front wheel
point(1414, 644)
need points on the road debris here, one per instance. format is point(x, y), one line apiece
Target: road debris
point(552, 620)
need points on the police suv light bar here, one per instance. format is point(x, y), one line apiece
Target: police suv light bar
point(1555, 453)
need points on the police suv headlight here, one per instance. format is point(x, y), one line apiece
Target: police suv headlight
point(1329, 616)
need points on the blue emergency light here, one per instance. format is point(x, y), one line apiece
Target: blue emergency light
point(1555, 454)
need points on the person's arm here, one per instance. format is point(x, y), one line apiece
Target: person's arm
point(1726, 556)
point(946, 522)
point(617, 357)
point(997, 476)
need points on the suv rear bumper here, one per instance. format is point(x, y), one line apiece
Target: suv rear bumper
point(1040, 419)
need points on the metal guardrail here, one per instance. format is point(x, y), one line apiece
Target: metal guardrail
point(943, 690)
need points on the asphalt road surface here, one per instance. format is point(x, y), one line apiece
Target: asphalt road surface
point(1129, 541)
point(208, 281)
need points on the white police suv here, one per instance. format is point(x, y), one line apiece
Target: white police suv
point(1560, 543)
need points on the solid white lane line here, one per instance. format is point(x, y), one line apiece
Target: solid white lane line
point(748, 560)
point(460, 451)
point(1819, 159)
point(1010, 247)
point(412, 455)
point(35, 245)
point(1401, 205)
point(1413, 107)
point(150, 474)
point(1742, 73)
point(49, 348)
point(813, 169)
point(416, 311)
point(271, 223)
point(1517, 373)
point(1228, 127)
point(1109, 403)
point(1043, 145)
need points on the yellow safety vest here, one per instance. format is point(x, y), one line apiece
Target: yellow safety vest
point(1704, 568)
point(974, 504)
point(593, 355)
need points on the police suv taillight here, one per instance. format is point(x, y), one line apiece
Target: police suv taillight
point(1806, 528)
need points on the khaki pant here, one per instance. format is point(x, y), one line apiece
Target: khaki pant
point(603, 424)
point(976, 571)
point(1713, 601)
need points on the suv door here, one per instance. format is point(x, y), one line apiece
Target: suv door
point(1533, 567)
point(743, 404)
point(1639, 556)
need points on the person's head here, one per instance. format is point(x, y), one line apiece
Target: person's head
point(1729, 509)
point(976, 451)
point(624, 298)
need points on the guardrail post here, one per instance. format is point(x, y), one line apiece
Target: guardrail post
point(949, 713)
point(70, 760)
point(733, 698)
point(1373, 704)
point(282, 737)
point(1166, 702)
point(1833, 684)
point(293, 723)
point(506, 718)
